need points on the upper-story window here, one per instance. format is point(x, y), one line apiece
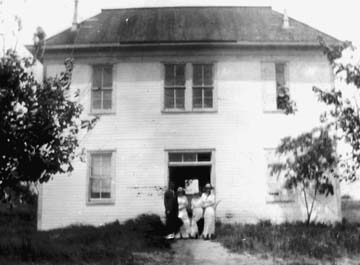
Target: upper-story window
point(275, 86)
point(174, 86)
point(102, 89)
point(189, 87)
point(282, 91)
point(203, 85)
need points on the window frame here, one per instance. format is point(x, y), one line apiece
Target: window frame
point(188, 88)
point(203, 87)
point(286, 81)
point(286, 63)
point(195, 152)
point(174, 87)
point(102, 90)
point(101, 201)
point(283, 195)
point(211, 163)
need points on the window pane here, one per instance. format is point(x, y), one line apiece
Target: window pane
point(96, 99)
point(208, 97)
point(106, 195)
point(169, 74)
point(95, 188)
point(96, 166)
point(169, 98)
point(106, 165)
point(208, 75)
point(190, 157)
point(106, 188)
point(197, 74)
point(281, 89)
point(180, 75)
point(107, 99)
point(97, 77)
point(175, 157)
point(280, 75)
point(180, 98)
point(204, 157)
point(197, 97)
point(107, 76)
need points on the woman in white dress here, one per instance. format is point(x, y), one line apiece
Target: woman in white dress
point(208, 201)
point(183, 215)
point(197, 214)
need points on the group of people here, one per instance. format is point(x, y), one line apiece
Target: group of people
point(190, 221)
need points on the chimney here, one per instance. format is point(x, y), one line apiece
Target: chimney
point(75, 24)
point(286, 23)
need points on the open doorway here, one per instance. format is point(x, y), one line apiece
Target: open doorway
point(180, 176)
point(190, 170)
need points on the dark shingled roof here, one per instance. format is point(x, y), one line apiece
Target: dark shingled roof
point(240, 25)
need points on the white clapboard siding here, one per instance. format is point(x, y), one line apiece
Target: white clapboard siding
point(140, 133)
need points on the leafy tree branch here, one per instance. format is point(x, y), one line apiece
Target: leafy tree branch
point(39, 125)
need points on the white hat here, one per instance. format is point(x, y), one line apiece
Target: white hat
point(208, 186)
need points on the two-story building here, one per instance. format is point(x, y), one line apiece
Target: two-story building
point(186, 93)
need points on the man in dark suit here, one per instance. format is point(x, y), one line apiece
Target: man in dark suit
point(171, 211)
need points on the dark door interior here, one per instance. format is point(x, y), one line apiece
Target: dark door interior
point(178, 175)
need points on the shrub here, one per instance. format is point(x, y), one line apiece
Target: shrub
point(112, 243)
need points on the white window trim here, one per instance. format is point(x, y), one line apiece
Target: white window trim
point(211, 163)
point(273, 198)
point(189, 89)
point(164, 88)
point(107, 201)
point(113, 96)
point(214, 94)
point(287, 79)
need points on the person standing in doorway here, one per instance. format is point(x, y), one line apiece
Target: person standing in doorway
point(208, 200)
point(197, 214)
point(171, 211)
point(183, 214)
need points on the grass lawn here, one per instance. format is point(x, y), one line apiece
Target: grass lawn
point(316, 241)
point(113, 243)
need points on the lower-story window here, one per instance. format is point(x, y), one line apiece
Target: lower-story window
point(101, 176)
point(277, 192)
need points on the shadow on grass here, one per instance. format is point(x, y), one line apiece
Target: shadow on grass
point(113, 243)
point(288, 240)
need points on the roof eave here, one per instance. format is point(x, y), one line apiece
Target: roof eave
point(182, 44)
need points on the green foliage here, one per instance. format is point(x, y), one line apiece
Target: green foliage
point(343, 114)
point(291, 240)
point(311, 157)
point(284, 102)
point(39, 125)
point(309, 166)
point(113, 243)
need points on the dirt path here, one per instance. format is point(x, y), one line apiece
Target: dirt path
point(196, 252)
point(200, 252)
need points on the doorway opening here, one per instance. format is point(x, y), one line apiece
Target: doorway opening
point(181, 175)
point(190, 170)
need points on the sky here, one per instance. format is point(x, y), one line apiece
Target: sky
point(337, 18)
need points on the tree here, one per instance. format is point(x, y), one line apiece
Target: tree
point(39, 125)
point(313, 160)
point(310, 165)
point(343, 115)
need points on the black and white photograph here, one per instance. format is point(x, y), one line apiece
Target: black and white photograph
point(179, 132)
